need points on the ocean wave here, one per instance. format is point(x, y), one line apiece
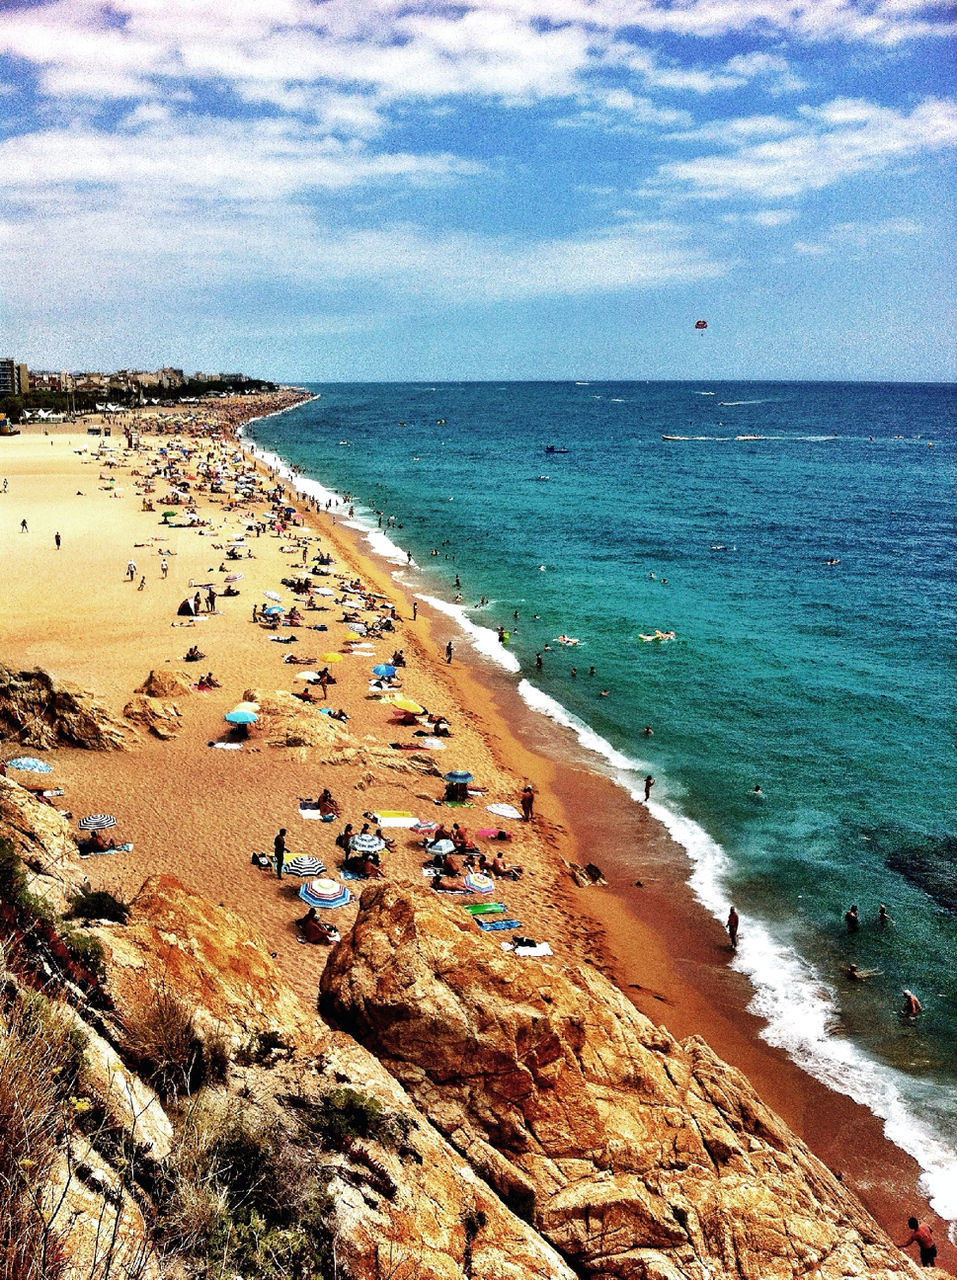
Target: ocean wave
point(548, 706)
point(483, 639)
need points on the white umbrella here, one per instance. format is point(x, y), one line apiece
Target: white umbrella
point(272, 595)
point(306, 675)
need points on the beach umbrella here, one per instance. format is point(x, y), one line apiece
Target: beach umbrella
point(246, 706)
point(273, 611)
point(241, 717)
point(304, 866)
point(272, 595)
point(458, 775)
point(432, 744)
point(406, 704)
point(30, 764)
point(234, 577)
point(306, 675)
point(366, 842)
point(331, 657)
point(97, 822)
point(478, 882)
point(441, 846)
point(325, 893)
point(383, 669)
point(503, 810)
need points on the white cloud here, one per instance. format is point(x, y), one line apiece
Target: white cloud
point(208, 159)
point(855, 237)
point(837, 141)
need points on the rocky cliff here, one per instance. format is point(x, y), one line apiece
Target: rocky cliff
point(631, 1154)
point(460, 1112)
point(40, 712)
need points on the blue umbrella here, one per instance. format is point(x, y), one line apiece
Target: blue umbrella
point(30, 764)
point(273, 610)
point(384, 670)
point(458, 775)
point(241, 717)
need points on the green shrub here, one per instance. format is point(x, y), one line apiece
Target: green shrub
point(98, 904)
point(238, 1199)
point(85, 950)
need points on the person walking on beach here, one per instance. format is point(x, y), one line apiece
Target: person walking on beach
point(131, 569)
point(142, 585)
point(415, 610)
point(733, 922)
point(448, 652)
point(923, 1237)
point(649, 783)
point(57, 539)
point(279, 849)
point(527, 802)
point(23, 527)
point(211, 600)
point(164, 566)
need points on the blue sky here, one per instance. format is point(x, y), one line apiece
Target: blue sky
point(422, 189)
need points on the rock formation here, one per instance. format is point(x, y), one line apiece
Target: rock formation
point(40, 712)
point(633, 1155)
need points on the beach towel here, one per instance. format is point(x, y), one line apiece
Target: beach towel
point(484, 908)
point(539, 949)
point(493, 833)
point(313, 815)
point(397, 818)
point(227, 746)
point(349, 875)
point(99, 853)
point(490, 925)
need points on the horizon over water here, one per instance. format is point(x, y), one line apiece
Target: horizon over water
point(807, 571)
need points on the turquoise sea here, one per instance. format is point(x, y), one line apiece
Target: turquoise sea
point(809, 577)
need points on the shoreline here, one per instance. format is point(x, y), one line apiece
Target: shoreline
point(658, 938)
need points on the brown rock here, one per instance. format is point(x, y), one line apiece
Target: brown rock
point(160, 718)
point(165, 684)
point(634, 1156)
point(40, 712)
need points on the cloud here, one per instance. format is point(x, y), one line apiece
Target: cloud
point(855, 237)
point(828, 144)
point(210, 159)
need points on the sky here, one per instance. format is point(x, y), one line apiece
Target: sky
point(391, 190)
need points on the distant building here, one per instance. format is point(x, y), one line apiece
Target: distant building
point(14, 378)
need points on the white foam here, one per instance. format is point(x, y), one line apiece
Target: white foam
point(483, 639)
point(801, 1013)
point(592, 741)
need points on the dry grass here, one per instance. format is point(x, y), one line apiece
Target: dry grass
point(39, 1062)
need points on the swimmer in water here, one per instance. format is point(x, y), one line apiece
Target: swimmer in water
point(912, 1006)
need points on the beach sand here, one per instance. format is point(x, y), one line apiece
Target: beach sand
point(199, 813)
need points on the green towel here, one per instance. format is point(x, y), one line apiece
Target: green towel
point(484, 908)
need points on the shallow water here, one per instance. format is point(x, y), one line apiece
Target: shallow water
point(829, 685)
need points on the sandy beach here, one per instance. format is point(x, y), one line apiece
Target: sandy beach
point(200, 812)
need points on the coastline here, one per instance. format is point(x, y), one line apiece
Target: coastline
point(657, 939)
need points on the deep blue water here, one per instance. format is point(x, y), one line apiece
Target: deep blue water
point(829, 685)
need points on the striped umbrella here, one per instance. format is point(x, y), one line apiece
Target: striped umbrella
point(478, 882)
point(30, 764)
point(441, 846)
point(97, 822)
point(325, 893)
point(304, 866)
point(366, 842)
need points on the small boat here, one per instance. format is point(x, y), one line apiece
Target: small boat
point(750, 437)
point(676, 437)
point(550, 448)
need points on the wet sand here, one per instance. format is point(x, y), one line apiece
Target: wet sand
point(199, 813)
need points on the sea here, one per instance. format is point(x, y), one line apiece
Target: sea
point(795, 544)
